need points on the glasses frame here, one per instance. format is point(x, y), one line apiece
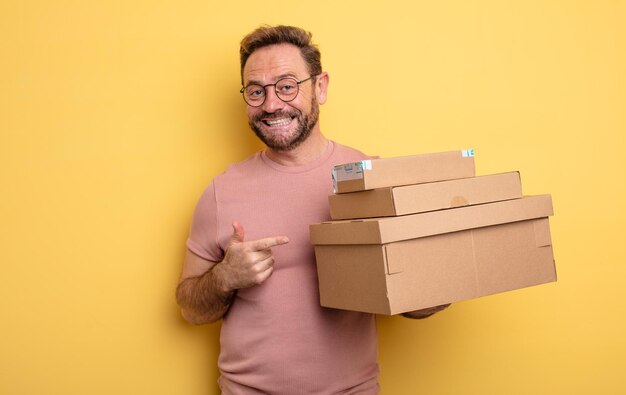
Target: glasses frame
point(242, 90)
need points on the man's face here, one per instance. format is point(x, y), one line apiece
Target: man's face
point(281, 126)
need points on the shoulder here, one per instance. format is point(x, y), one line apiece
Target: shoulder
point(343, 154)
point(239, 170)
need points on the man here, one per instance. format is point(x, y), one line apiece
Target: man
point(249, 261)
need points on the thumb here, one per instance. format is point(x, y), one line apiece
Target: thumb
point(238, 233)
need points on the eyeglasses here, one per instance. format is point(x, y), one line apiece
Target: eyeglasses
point(286, 89)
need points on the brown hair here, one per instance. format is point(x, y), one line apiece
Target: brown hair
point(272, 35)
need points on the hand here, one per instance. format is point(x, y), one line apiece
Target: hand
point(424, 313)
point(247, 263)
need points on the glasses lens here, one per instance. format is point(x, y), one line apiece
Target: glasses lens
point(254, 94)
point(287, 89)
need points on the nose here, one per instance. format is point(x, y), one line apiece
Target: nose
point(272, 103)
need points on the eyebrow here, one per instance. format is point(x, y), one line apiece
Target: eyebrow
point(286, 75)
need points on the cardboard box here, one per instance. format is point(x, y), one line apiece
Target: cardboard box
point(403, 170)
point(398, 264)
point(411, 199)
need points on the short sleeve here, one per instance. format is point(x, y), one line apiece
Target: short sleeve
point(202, 239)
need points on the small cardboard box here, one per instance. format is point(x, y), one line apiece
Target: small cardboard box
point(411, 199)
point(398, 264)
point(403, 170)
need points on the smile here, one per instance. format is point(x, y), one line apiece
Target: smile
point(277, 122)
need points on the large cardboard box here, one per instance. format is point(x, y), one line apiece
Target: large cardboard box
point(403, 170)
point(398, 264)
point(411, 199)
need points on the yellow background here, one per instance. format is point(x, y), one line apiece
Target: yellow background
point(114, 116)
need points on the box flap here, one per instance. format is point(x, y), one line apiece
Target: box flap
point(542, 232)
point(352, 278)
point(387, 230)
point(345, 232)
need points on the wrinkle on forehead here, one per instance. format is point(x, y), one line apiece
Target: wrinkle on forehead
point(268, 64)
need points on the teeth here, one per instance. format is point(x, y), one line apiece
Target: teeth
point(278, 122)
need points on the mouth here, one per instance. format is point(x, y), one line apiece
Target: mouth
point(278, 121)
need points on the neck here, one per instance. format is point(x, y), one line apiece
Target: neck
point(307, 152)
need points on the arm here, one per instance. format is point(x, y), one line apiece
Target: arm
point(201, 293)
point(206, 288)
point(425, 313)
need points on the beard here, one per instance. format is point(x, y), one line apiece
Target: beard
point(287, 143)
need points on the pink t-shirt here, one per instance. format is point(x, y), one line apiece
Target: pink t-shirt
point(276, 338)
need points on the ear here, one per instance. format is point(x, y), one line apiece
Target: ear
point(321, 87)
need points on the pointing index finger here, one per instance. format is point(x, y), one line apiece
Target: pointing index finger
point(267, 242)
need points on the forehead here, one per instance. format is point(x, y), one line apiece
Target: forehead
point(267, 64)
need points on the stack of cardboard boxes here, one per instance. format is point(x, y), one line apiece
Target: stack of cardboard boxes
point(413, 232)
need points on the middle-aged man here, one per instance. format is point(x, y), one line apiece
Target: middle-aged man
point(249, 261)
